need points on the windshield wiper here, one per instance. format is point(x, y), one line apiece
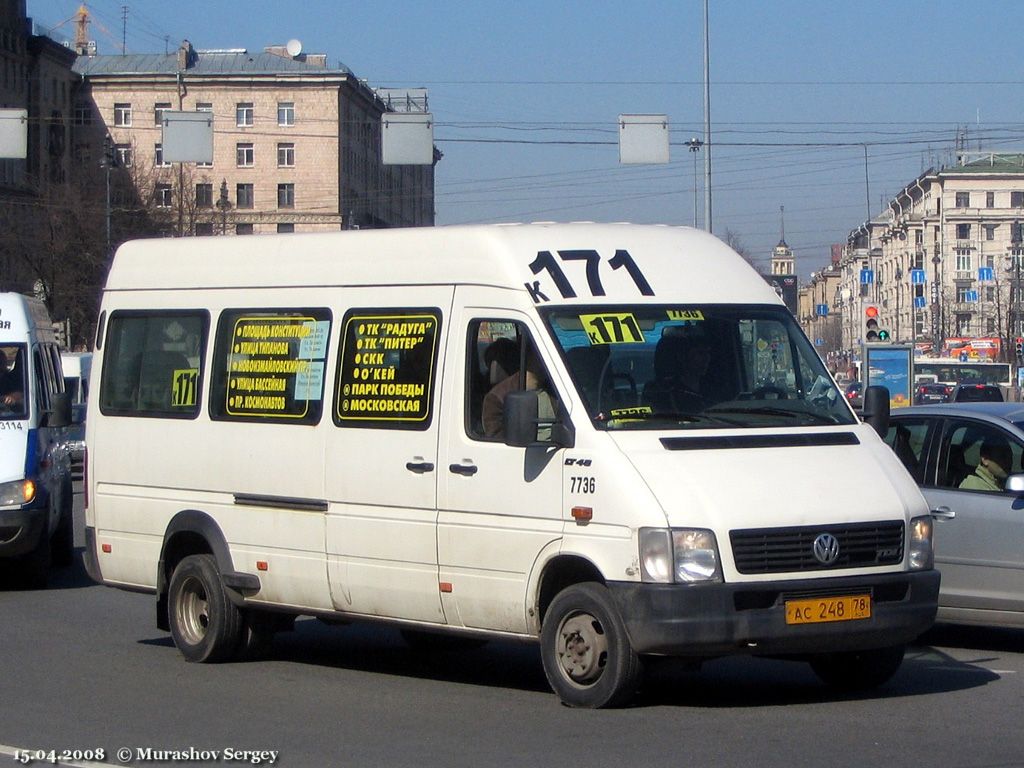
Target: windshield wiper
point(765, 410)
point(688, 418)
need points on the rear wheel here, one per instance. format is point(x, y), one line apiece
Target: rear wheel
point(586, 652)
point(858, 670)
point(205, 624)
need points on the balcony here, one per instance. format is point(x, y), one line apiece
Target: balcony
point(962, 275)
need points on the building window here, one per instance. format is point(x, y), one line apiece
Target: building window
point(204, 228)
point(244, 196)
point(123, 155)
point(963, 199)
point(204, 195)
point(963, 293)
point(990, 199)
point(963, 231)
point(83, 114)
point(243, 229)
point(123, 115)
point(963, 260)
point(286, 113)
point(244, 114)
point(990, 231)
point(158, 112)
point(1017, 199)
point(285, 228)
point(158, 156)
point(162, 195)
point(245, 155)
point(285, 195)
point(286, 155)
point(204, 106)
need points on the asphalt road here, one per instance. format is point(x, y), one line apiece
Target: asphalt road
point(83, 667)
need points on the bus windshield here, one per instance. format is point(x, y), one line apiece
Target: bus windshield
point(956, 371)
point(695, 367)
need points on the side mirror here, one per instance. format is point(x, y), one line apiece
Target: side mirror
point(521, 418)
point(876, 409)
point(59, 414)
point(1015, 484)
point(523, 423)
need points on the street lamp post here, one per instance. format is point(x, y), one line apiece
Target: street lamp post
point(695, 144)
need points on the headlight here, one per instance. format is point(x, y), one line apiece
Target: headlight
point(682, 555)
point(16, 493)
point(921, 555)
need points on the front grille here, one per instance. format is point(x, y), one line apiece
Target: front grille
point(787, 550)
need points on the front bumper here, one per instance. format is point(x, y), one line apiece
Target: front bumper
point(707, 620)
point(20, 529)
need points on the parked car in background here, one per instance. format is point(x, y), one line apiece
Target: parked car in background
point(854, 394)
point(976, 393)
point(933, 392)
point(979, 533)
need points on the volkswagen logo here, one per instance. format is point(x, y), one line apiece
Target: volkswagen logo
point(826, 548)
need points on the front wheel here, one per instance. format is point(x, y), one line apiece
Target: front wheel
point(205, 624)
point(858, 670)
point(587, 656)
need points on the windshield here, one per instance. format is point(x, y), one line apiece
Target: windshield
point(13, 385)
point(695, 367)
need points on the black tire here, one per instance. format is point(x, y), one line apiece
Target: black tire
point(858, 670)
point(205, 624)
point(62, 545)
point(587, 656)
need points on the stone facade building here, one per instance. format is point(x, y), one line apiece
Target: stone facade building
point(946, 257)
point(296, 144)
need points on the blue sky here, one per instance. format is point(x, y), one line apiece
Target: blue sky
point(526, 96)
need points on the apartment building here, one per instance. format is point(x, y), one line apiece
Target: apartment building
point(945, 257)
point(296, 143)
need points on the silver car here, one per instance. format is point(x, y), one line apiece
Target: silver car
point(956, 454)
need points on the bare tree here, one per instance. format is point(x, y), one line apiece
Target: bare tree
point(731, 239)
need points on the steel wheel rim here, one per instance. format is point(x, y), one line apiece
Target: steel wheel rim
point(582, 648)
point(193, 611)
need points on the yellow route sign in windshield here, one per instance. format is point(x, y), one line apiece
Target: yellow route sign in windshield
point(612, 328)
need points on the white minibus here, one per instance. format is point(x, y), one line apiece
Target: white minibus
point(36, 518)
point(613, 440)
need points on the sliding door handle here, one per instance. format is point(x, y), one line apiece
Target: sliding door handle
point(462, 469)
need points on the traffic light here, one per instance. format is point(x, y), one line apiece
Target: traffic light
point(1018, 346)
point(874, 333)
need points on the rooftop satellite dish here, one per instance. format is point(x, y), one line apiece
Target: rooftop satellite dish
point(294, 47)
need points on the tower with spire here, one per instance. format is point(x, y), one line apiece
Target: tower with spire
point(783, 261)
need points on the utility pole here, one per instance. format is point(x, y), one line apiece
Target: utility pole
point(695, 144)
point(707, 121)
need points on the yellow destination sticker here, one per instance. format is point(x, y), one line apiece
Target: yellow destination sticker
point(184, 383)
point(625, 413)
point(612, 328)
point(693, 315)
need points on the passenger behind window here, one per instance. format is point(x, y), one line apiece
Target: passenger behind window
point(993, 467)
point(11, 394)
point(535, 378)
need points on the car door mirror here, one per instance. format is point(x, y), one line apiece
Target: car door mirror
point(522, 422)
point(1015, 484)
point(876, 409)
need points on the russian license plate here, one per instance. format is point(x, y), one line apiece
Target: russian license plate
point(822, 609)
